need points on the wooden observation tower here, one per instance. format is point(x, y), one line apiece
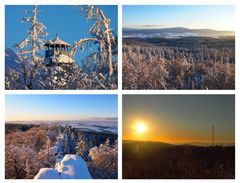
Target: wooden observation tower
point(57, 52)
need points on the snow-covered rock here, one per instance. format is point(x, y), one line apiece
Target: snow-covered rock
point(71, 167)
point(47, 173)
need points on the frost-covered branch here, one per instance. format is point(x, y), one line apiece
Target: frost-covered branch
point(28, 52)
point(101, 32)
point(80, 43)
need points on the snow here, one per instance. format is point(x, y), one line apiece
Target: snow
point(47, 173)
point(93, 152)
point(70, 167)
point(73, 166)
point(58, 41)
point(11, 60)
point(54, 149)
point(59, 58)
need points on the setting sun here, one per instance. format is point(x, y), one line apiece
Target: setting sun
point(140, 128)
point(161, 129)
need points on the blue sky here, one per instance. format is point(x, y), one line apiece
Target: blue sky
point(60, 107)
point(218, 17)
point(62, 20)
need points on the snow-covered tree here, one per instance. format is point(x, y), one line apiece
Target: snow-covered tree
point(28, 53)
point(13, 164)
point(102, 36)
point(104, 160)
point(101, 32)
point(21, 162)
point(98, 69)
point(181, 66)
point(47, 154)
point(82, 146)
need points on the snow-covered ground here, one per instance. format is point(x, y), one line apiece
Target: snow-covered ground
point(71, 167)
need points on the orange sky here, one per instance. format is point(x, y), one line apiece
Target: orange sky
point(179, 119)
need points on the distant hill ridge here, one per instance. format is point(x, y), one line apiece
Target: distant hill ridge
point(136, 142)
point(165, 144)
point(175, 32)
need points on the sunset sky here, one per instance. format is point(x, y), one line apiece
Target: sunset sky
point(60, 107)
point(217, 17)
point(179, 118)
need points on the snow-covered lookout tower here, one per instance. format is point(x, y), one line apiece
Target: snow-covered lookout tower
point(57, 52)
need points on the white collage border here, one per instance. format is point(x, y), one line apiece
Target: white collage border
point(121, 92)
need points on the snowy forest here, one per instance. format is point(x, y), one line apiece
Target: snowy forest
point(25, 67)
point(38, 151)
point(179, 63)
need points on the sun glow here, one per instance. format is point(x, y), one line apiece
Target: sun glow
point(140, 128)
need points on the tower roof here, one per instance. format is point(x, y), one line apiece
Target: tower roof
point(56, 41)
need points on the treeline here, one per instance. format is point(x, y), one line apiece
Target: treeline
point(185, 42)
point(27, 151)
point(153, 161)
point(147, 66)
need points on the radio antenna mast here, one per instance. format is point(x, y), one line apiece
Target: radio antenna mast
point(213, 135)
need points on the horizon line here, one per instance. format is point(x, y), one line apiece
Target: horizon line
point(113, 119)
point(167, 27)
point(183, 142)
